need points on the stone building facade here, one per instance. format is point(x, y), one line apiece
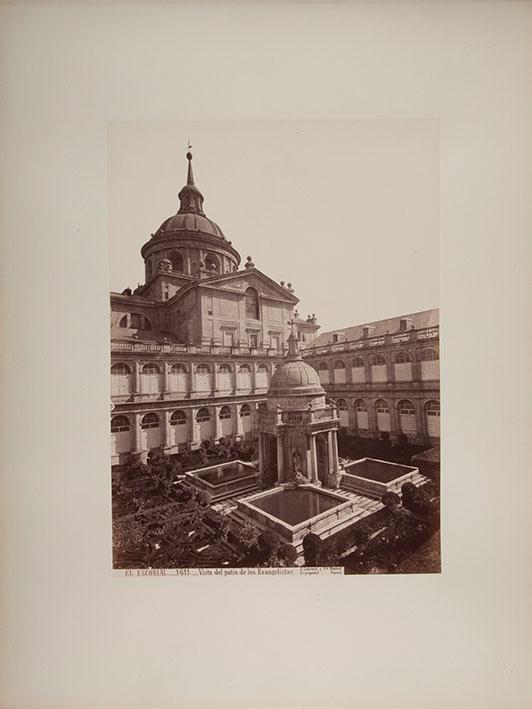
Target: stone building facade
point(194, 349)
point(384, 376)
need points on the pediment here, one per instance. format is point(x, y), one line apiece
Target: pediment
point(238, 282)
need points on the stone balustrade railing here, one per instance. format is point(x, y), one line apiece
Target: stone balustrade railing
point(195, 349)
point(368, 342)
point(303, 416)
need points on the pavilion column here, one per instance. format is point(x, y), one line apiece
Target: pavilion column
point(280, 460)
point(334, 442)
point(313, 460)
point(330, 452)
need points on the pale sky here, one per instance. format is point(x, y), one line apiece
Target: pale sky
point(347, 211)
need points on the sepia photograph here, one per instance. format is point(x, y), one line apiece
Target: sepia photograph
point(247, 431)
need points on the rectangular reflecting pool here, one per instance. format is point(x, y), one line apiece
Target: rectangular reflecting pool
point(295, 506)
point(294, 512)
point(224, 480)
point(373, 477)
point(224, 473)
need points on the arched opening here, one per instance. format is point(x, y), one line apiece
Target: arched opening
point(383, 415)
point(120, 435)
point(432, 414)
point(262, 381)
point(407, 417)
point(177, 378)
point(323, 372)
point(123, 321)
point(402, 367)
point(226, 422)
point(358, 370)
point(150, 379)
point(339, 372)
point(252, 304)
point(177, 261)
point(224, 378)
point(203, 420)
point(150, 432)
point(203, 378)
point(244, 377)
point(343, 413)
point(212, 263)
point(378, 369)
point(361, 411)
point(245, 417)
point(178, 428)
point(430, 364)
point(120, 379)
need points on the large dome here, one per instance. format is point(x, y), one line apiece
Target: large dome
point(295, 378)
point(190, 222)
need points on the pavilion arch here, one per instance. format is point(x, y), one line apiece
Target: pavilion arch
point(120, 379)
point(406, 411)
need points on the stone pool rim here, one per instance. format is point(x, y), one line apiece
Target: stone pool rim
point(306, 525)
point(195, 474)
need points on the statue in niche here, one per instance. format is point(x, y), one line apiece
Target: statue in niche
point(298, 463)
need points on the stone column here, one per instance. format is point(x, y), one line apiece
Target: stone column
point(166, 443)
point(194, 428)
point(136, 433)
point(390, 367)
point(280, 460)
point(166, 388)
point(212, 365)
point(421, 422)
point(416, 365)
point(330, 457)
point(190, 378)
point(136, 377)
point(237, 426)
point(313, 461)
point(217, 423)
point(334, 442)
point(394, 423)
point(367, 369)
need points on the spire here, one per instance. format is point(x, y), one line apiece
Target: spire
point(190, 198)
point(190, 174)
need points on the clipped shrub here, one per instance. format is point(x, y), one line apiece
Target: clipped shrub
point(311, 549)
point(391, 500)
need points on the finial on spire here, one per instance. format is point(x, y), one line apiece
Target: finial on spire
point(190, 175)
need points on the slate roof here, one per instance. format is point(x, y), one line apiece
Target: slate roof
point(378, 328)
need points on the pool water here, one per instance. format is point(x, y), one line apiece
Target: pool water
point(377, 470)
point(295, 506)
point(225, 473)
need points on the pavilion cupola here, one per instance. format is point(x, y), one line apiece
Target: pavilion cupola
point(190, 198)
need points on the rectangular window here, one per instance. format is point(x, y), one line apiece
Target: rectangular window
point(274, 341)
point(253, 341)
